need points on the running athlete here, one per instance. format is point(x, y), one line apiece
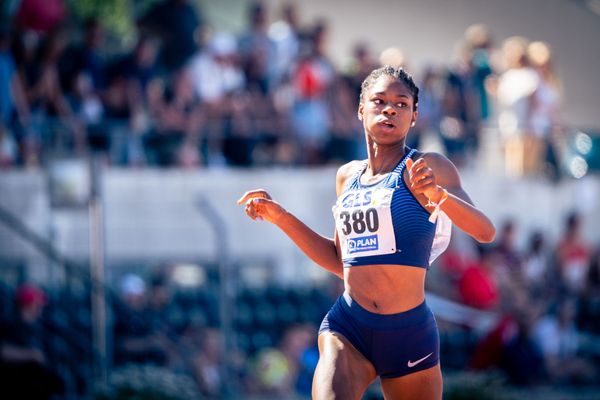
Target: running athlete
point(393, 217)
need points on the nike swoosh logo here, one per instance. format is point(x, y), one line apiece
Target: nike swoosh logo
point(413, 363)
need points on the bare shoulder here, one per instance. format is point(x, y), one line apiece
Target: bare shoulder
point(444, 169)
point(344, 173)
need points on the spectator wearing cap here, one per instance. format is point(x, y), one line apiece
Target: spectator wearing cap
point(136, 340)
point(215, 71)
point(23, 358)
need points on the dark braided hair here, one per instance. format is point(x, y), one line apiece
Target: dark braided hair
point(396, 73)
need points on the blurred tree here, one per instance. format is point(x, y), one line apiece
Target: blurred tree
point(118, 17)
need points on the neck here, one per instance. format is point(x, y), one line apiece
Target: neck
point(383, 159)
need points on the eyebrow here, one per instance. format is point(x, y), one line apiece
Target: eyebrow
point(382, 93)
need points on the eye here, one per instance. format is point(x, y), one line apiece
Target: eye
point(377, 101)
point(402, 105)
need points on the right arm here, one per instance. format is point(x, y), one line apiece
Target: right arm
point(320, 249)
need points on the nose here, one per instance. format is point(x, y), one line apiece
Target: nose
point(388, 109)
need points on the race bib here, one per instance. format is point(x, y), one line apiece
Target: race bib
point(363, 220)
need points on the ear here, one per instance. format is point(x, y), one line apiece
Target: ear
point(414, 118)
point(360, 112)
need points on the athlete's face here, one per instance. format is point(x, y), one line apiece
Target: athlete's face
point(386, 110)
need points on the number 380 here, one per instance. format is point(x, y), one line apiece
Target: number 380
point(359, 221)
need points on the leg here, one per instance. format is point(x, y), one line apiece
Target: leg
point(342, 372)
point(422, 385)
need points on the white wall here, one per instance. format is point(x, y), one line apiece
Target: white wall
point(154, 214)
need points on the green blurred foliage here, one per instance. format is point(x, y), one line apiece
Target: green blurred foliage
point(146, 382)
point(117, 17)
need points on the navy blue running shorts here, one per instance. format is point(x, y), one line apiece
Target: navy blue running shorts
point(396, 344)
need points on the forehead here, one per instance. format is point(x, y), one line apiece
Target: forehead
point(390, 86)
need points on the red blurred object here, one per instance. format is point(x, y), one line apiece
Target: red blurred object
point(488, 352)
point(308, 80)
point(29, 294)
point(477, 288)
point(41, 15)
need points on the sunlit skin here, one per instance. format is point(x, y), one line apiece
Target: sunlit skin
point(387, 112)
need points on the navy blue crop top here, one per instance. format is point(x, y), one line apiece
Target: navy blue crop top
point(383, 223)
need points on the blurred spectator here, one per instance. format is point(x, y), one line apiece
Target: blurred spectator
point(278, 369)
point(516, 87)
point(557, 337)
point(393, 56)
point(345, 136)
point(511, 346)
point(219, 83)
point(25, 371)
point(459, 125)
point(428, 121)
point(573, 255)
point(176, 136)
point(303, 348)
point(159, 309)
point(285, 34)
point(480, 47)
point(536, 267)
point(119, 110)
point(215, 72)
point(240, 127)
point(521, 357)
point(139, 70)
point(361, 65)
point(14, 110)
point(140, 66)
point(257, 50)
point(136, 339)
point(506, 247)
point(86, 57)
point(590, 305)
point(88, 109)
point(545, 110)
point(478, 285)
point(208, 364)
point(51, 112)
point(176, 23)
point(312, 79)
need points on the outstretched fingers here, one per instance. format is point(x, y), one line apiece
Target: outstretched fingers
point(254, 194)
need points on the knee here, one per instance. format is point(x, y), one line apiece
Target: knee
point(331, 382)
point(342, 372)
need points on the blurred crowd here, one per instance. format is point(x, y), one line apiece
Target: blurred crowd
point(188, 95)
point(156, 321)
point(544, 299)
point(546, 296)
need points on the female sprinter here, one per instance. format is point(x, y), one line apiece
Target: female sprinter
point(392, 219)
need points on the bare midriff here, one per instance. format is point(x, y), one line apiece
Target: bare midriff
point(386, 289)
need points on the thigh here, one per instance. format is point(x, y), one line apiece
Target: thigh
point(342, 372)
point(422, 385)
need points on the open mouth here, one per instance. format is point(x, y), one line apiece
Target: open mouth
point(386, 124)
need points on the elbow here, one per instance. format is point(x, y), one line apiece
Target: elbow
point(486, 236)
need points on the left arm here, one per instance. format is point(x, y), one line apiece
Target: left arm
point(431, 176)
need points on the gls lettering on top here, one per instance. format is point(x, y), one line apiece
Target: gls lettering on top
point(357, 199)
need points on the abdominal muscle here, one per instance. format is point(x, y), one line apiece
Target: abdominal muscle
point(386, 289)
